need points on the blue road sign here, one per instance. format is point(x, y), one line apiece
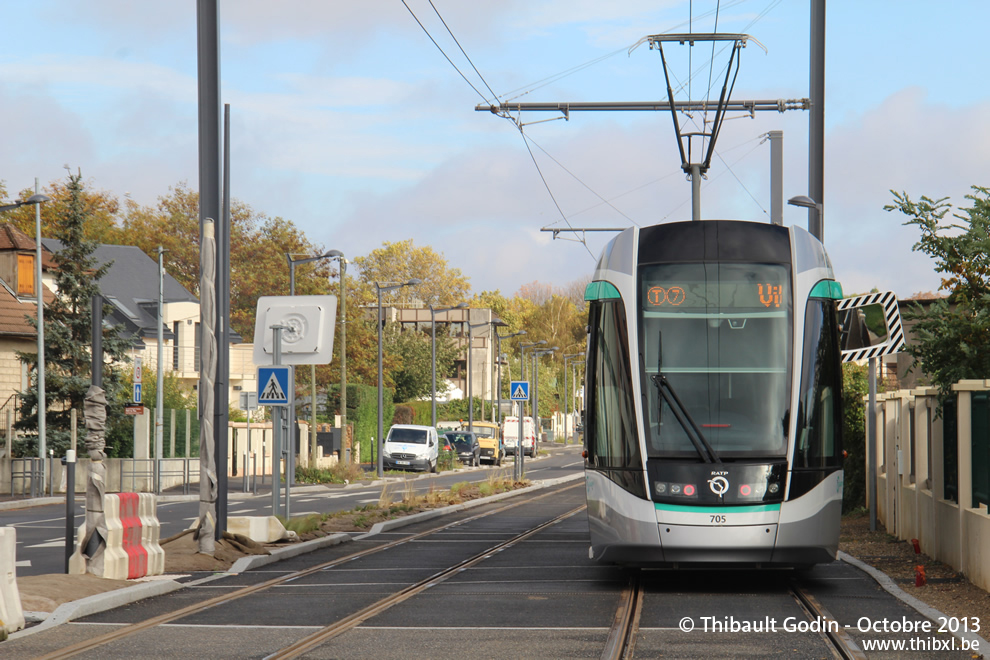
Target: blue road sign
point(137, 392)
point(519, 390)
point(273, 385)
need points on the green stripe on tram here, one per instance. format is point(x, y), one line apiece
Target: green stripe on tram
point(827, 289)
point(757, 508)
point(601, 290)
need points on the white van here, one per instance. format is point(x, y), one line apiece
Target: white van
point(510, 435)
point(411, 447)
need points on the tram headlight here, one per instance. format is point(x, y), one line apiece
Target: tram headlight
point(667, 489)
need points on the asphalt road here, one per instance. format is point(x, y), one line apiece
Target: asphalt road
point(41, 529)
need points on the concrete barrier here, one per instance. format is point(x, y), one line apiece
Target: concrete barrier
point(151, 531)
point(262, 529)
point(133, 532)
point(11, 614)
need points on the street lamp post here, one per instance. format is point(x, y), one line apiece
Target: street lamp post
point(498, 339)
point(343, 352)
point(470, 375)
point(379, 288)
point(37, 199)
point(331, 254)
point(536, 386)
point(433, 354)
point(522, 356)
point(567, 358)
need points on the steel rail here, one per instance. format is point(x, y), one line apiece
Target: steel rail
point(621, 641)
point(350, 622)
point(134, 628)
point(843, 645)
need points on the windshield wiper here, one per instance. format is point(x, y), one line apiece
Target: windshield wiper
point(669, 395)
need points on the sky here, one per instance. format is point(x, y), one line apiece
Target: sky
point(348, 120)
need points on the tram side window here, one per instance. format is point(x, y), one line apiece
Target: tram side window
point(818, 444)
point(613, 441)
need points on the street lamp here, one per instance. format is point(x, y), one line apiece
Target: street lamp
point(816, 223)
point(567, 358)
point(37, 199)
point(499, 339)
point(433, 353)
point(522, 356)
point(331, 254)
point(379, 288)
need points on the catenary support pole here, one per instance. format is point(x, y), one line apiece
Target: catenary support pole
point(776, 177)
point(871, 445)
point(816, 120)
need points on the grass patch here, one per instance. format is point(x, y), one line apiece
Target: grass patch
point(341, 473)
point(394, 503)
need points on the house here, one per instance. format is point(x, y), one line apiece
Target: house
point(18, 302)
point(131, 288)
point(417, 318)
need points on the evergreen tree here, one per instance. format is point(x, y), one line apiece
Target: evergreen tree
point(68, 339)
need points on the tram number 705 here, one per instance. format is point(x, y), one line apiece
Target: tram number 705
point(718, 519)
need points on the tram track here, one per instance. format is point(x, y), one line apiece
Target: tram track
point(135, 628)
point(840, 642)
point(314, 640)
point(621, 641)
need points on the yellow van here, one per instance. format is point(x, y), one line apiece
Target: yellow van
point(490, 441)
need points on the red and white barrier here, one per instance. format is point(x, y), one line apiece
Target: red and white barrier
point(133, 531)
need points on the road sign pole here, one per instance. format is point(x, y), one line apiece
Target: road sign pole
point(276, 426)
point(520, 449)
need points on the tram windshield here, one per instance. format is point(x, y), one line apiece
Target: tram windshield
point(721, 334)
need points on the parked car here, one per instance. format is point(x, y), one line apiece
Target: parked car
point(467, 447)
point(492, 449)
point(411, 447)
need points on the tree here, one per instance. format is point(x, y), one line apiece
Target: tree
point(402, 261)
point(855, 386)
point(68, 336)
point(952, 335)
point(412, 353)
point(101, 210)
point(258, 245)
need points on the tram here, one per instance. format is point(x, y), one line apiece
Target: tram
point(713, 391)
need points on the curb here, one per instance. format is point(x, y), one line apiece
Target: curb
point(922, 608)
point(278, 554)
point(102, 602)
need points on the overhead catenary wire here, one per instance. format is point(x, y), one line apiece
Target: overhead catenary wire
point(494, 95)
point(550, 192)
point(576, 178)
point(524, 136)
point(427, 32)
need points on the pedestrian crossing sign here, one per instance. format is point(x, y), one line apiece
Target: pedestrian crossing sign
point(519, 390)
point(273, 385)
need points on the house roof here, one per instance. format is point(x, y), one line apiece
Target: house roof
point(12, 238)
point(131, 286)
point(12, 314)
